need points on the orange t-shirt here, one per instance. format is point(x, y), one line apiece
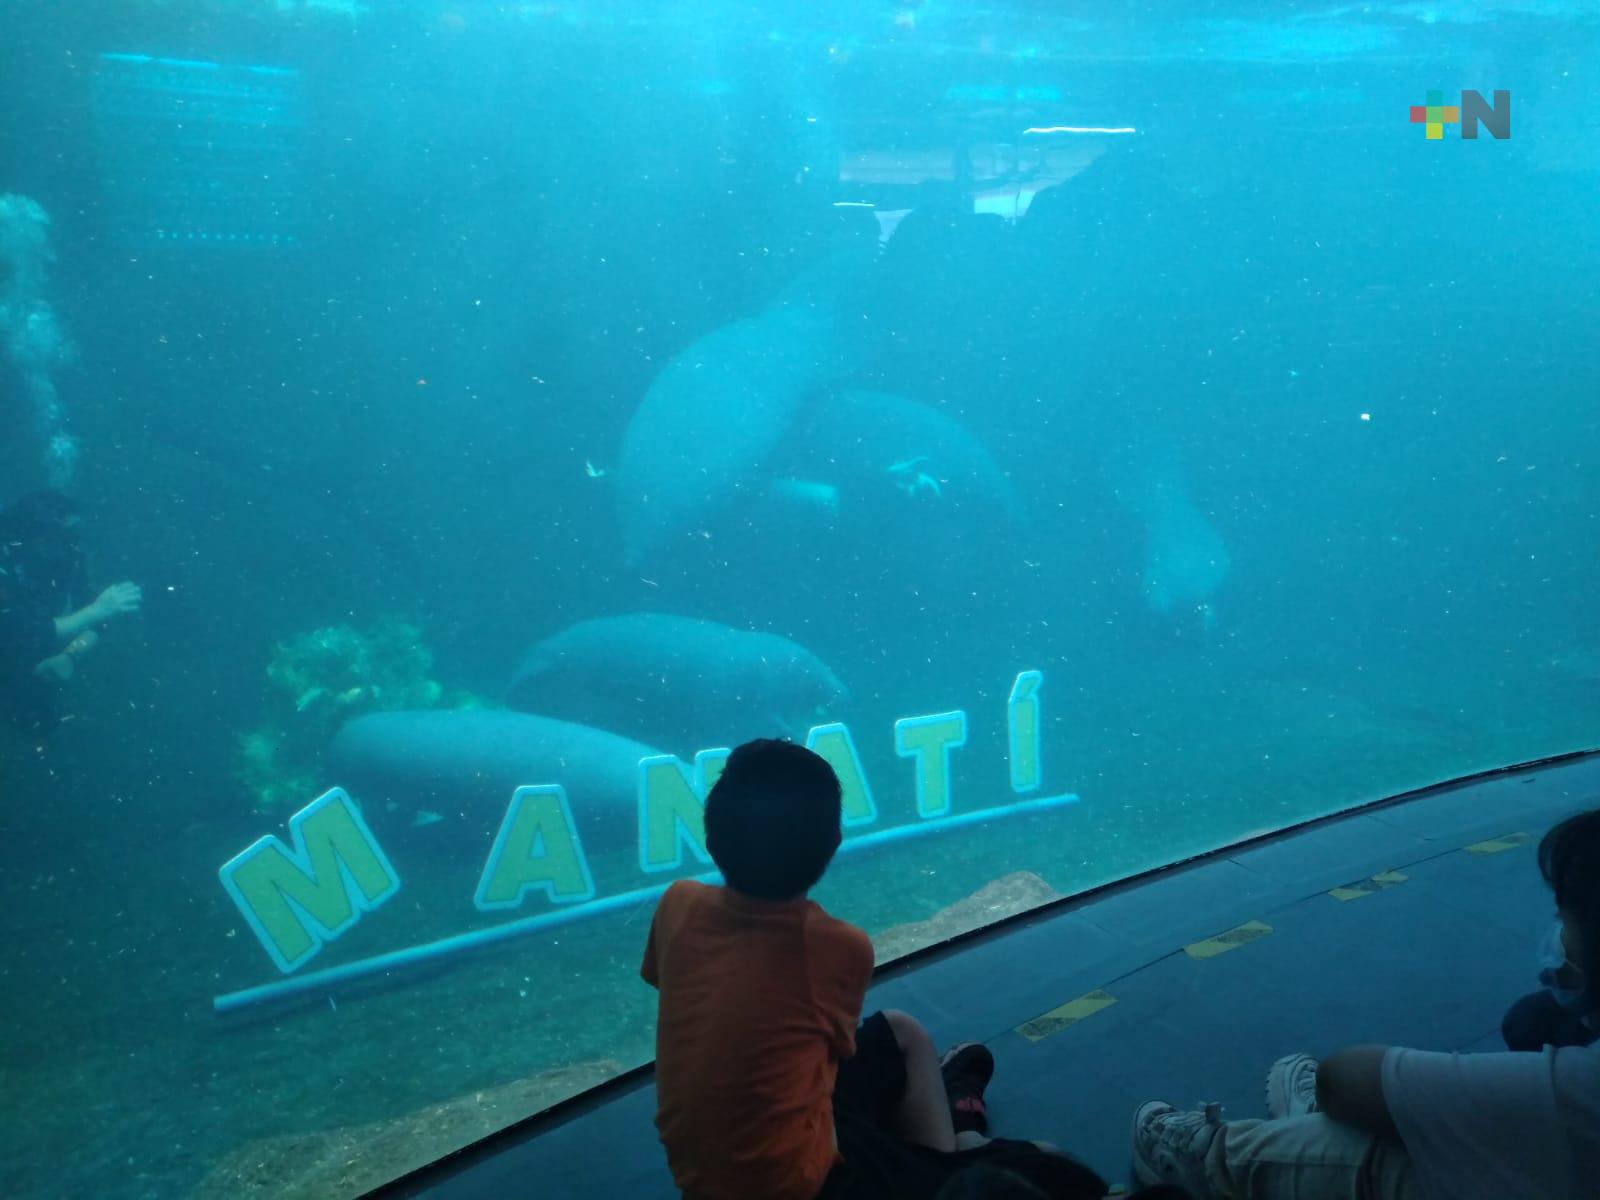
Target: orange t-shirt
point(759, 1002)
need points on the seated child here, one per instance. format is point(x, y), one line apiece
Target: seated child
point(766, 1089)
point(1385, 1123)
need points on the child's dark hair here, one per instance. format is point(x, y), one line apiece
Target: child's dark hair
point(1569, 860)
point(772, 819)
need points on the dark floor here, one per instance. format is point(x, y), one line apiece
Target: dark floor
point(1428, 956)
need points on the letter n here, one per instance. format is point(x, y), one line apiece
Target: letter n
point(1496, 120)
point(672, 808)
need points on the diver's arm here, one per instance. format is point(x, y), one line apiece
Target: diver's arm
point(116, 599)
point(71, 625)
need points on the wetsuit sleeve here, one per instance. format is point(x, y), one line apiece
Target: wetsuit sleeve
point(27, 637)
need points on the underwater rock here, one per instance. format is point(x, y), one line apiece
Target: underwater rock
point(994, 901)
point(676, 682)
point(464, 764)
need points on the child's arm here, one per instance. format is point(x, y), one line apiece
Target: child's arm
point(851, 972)
point(1350, 1090)
point(648, 970)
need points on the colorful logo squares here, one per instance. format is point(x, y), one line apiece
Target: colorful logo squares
point(1435, 114)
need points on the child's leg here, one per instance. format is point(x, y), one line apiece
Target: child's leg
point(923, 1114)
point(967, 1069)
point(1308, 1158)
point(971, 1139)
point(1300, 1158)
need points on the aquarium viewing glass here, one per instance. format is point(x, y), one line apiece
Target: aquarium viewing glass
point(1104, 432)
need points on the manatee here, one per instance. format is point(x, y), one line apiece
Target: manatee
point(716, 410)
point(1185, 562)
point(676, 682)
point(464, 765)
point(1185, 558)
point(877, 445)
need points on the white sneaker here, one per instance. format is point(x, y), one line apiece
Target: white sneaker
point(1171, 1146)
point(1292, 1087)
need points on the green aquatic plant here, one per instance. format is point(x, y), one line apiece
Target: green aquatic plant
point(320, 680)
point(332, 674)
point(270, 775)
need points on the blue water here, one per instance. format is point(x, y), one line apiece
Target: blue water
point(1157, 351)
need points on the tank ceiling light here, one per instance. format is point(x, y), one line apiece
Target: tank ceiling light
point(1077, 129)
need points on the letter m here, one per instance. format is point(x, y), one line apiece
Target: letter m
point(1496, 120)
point(297, 899)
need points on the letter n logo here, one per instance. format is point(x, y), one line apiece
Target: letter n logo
point(1497, 120)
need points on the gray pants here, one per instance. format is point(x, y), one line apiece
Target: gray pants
point(1307, 1158)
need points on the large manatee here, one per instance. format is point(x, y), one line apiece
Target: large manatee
point(465, 764)
point(677, 682)
point(707, 421)
point(716, 410)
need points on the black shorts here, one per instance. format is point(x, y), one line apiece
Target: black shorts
point(879, 1165)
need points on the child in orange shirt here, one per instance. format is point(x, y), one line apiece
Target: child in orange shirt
point(766, 1088)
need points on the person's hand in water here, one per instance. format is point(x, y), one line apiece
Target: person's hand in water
point(117, 599)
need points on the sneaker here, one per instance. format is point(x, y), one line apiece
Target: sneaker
point(1171, 1146)
point(1292, 1087)
point(967, 1069)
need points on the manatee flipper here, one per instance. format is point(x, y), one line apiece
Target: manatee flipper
point(808, 492)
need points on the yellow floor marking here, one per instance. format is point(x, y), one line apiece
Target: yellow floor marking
point(1067, 1014)
point(1509, 841)
point(1366, 887)
point(1240, 935)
